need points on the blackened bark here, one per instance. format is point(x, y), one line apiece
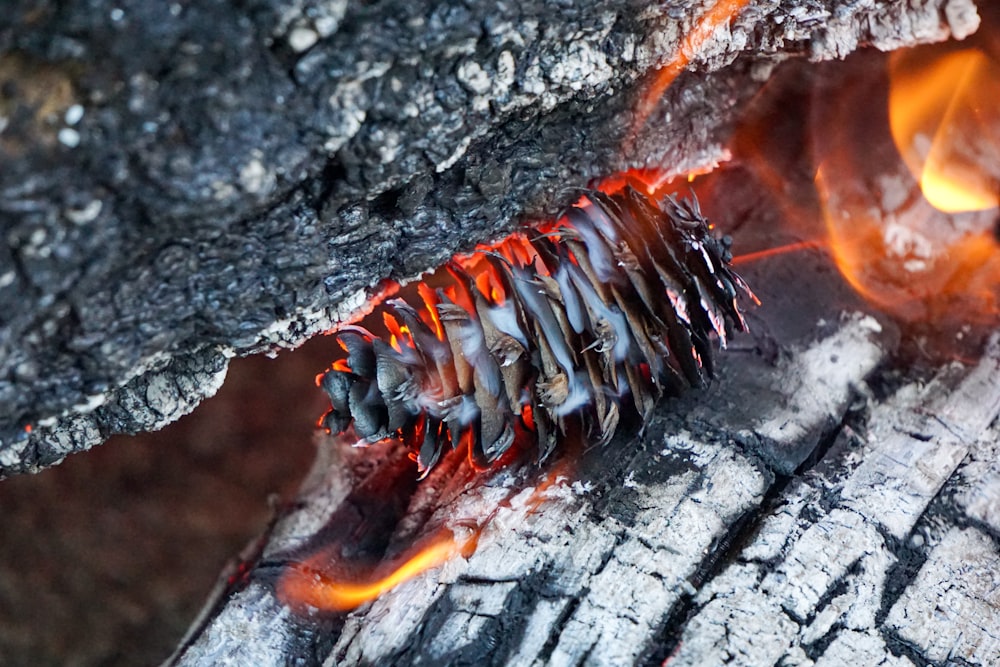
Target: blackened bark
point(183, 183)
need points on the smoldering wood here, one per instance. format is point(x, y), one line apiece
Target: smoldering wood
point(791, 514)
point(788, 512)
point(688, 542)
point(707, 467)
point(187, 183)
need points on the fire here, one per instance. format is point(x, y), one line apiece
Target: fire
point(430, 315)
point(314, 583)
point(908, 268)
point(944, 120)
point(910, 191)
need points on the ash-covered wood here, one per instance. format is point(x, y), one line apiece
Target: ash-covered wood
point(182, 183)
point(688, 544)
point(792, 513)
point(851, 564)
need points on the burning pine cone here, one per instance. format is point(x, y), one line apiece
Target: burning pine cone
point(610, 307)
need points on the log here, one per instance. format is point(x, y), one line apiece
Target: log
point(719, 536)
point(792, 512)
point(628, 582)
point(172, 202)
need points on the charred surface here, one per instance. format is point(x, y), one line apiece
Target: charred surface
point(152, 238)
point(197, 181)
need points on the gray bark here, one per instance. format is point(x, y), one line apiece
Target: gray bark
point(242, 177)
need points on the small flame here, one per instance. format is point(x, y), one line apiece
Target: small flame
point(429, 314)
point(922, 257)
point(310, 584)
point(906, 170)
point(944, 119)
point(399, 334)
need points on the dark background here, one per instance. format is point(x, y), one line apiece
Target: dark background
point(107, 558)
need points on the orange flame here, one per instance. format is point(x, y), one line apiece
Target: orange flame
point(309, 584)
point(924, 255)
point(399, 334)
point(429, 314)
point(944, 120)
point(906, 172)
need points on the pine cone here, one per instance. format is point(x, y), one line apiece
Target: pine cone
point(607, 309)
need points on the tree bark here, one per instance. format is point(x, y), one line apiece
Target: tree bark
point(188, 183)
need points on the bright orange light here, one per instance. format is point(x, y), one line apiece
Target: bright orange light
point(430, 314)
point(915, 265)
point(488, 284)
point(909, 179)
point(714, 18)
point(399, 334)
point(746, 258)
point(308, 584)
point(946, 125)
point(528, 417)
point(648, 181)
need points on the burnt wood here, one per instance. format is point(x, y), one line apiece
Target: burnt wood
point(790, 511)
point(751, 522)
point(185, 183)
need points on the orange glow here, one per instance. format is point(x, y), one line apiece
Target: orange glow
point(919, 266)
point(559, 472)
point(398, 334)
point(488, 285)
point(528, 417)
point(746, 258)
point(946, 125)
point(656, 183)
point(917, 236)
point(647, 181)
point(466, 445)
point(714, 18)
point(309, 584)
point(457, 291)
point(430, 314)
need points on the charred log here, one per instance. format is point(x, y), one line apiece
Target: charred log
point(789, 511)
point(662, 540)
point(183, 184)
